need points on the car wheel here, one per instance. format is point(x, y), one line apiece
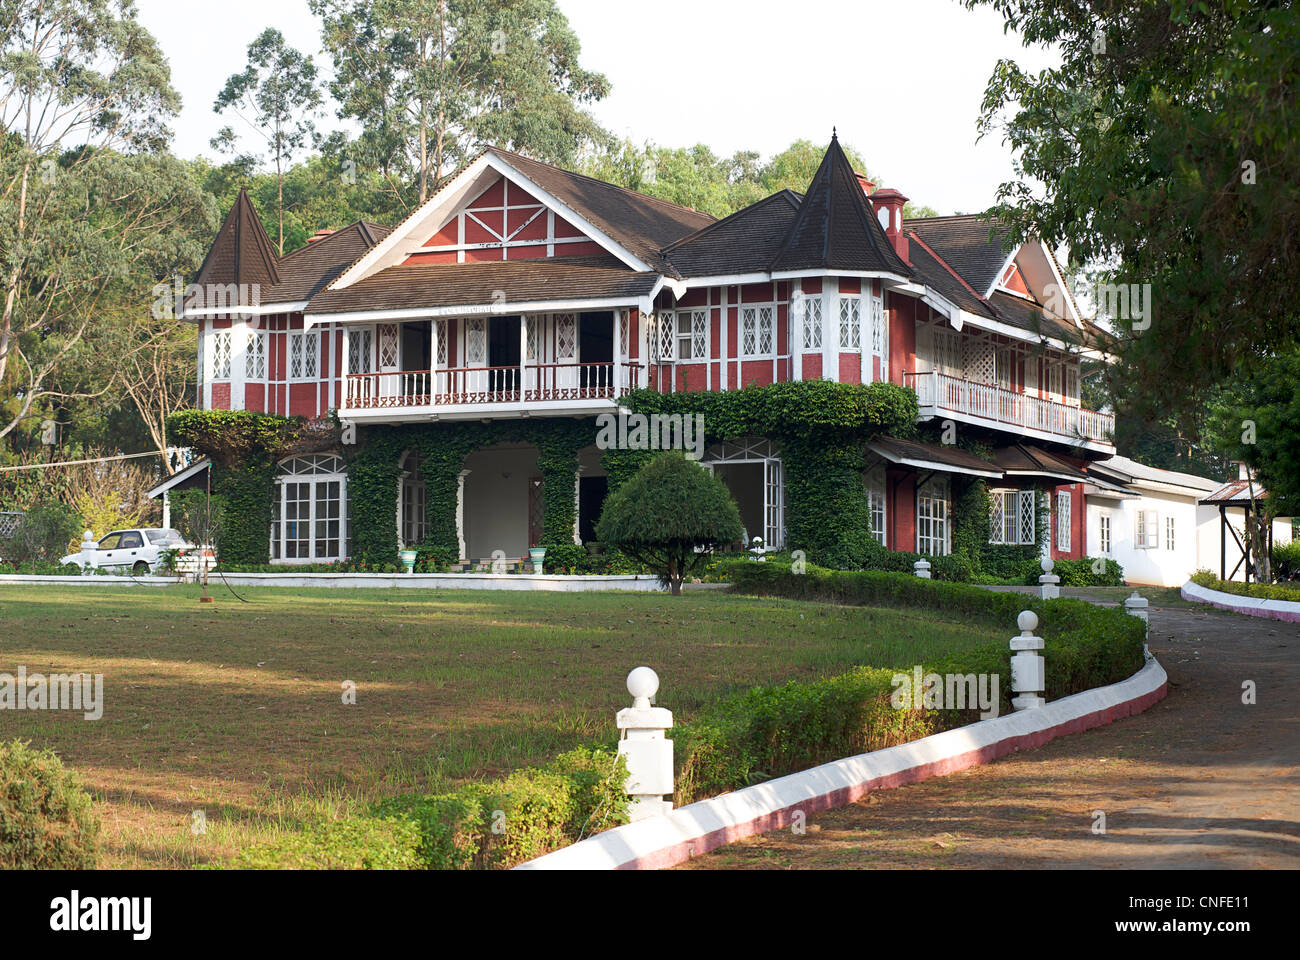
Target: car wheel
point(141, 569)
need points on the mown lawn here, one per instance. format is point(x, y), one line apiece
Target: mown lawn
point(236, 709)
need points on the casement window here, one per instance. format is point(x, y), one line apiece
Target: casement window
point(1007, 363)
point(875, 480)
point(221, 352)
point(1072, 384)
point(566, 336)
point(361, 350)
point(1012, 517)
point(1063, 520)
point(390, 350)
point(808, 307)
point(757, 332)
point(947, 357)
point(304, 355)
point(442, 343)
point(255, 356)
point(534, 338)
point(879, 331)
point(692, 335)
point(1055, 378)
point(309, 517)
point(475, 341)
point(414, 496)
point(1103, 531)
point(933, 513)
point(1147, 535)
point(1169, 533)
point(850, 323)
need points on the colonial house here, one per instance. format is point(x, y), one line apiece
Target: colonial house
point(524, 294)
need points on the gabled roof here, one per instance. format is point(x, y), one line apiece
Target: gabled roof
point(836, 228)
point(964, 243)
point(308, 270)
point(744, 242)
point(1130, 472)
point(242, 252)
point(643, 225)
point(506, 282)
point(1034, 318)
point(939, 276)
point(1027, 460)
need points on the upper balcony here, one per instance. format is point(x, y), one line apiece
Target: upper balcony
point(547, 389)
point(942, 395)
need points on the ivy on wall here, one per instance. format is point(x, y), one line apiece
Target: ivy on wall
point(822, 429)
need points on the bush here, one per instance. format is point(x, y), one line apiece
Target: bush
point(354, 843)
point(43, 534)
point(478, 826)
point(47, 821)
point(1081, 573)
point(670, 516)
point(1286, 560)
point(40, 568)
point(1260, 591)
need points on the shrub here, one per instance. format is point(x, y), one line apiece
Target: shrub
point(1083, 573)
point(1261, 591)
point(47, 821)
point(1286, 560)
point(670, 516)
point(43, 534)
point(354, 843)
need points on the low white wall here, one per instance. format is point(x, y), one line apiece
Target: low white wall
point(700, 827)
point(1285, 610)
point(418, 581)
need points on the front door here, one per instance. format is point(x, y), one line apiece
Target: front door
point(503, 353)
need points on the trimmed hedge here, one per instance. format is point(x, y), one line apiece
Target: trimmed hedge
point(493, 825)
point(1260, 591)
point(47, 821)
point(771, 732)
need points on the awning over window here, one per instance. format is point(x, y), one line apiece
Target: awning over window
point(1026, 460)
point(933, 456)
point(187, 479)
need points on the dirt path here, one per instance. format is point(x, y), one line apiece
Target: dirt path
point(1199, 780)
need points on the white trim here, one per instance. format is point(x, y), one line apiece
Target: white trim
point(261, 310)
point(474, 310)
point(178, 478)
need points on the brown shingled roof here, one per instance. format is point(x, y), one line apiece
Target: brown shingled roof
point(308, 270)
point(241, 253)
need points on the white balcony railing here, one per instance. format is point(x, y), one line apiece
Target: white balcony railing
point(988, 402)
point(492, 385)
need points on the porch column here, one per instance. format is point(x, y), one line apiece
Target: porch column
point(345, 366)
point(523, 355)
point(433, 360)
point(616, 374)
point(798, 319)
point(460, 514)
point(577, 504)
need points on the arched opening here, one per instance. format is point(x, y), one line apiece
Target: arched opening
point(502, 503)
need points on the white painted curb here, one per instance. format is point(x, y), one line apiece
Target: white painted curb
point(1285, 610)
point(703, 826)
point(422, 581)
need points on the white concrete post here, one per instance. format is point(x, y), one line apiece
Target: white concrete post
point(87, 545)
point(922, 569)
point(1136, 606)
point(1027, 670)
point(1049, 583)
point(642, 744)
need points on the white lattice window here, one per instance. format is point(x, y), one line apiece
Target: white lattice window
point(692, 335)
point(978, 361)
point(309, 518)
point(361, 350)
point(850, 323)
point(221, 355)
point(624, 325)
point(662, 342)
point(442, 342)
point(534, 325)
point(389, 355)
point(1011, 517)
point(758, 331)
point(1055, 378)
point(255, 356)
point(304, 355)
point(1063, 520)
point(475, 341)
point(933, 510)
point(879, 332)
point(1103, 530)
point(566, 336)
point(876, 498)
point(1072, 384)
point(809, 309)
point(946, 351)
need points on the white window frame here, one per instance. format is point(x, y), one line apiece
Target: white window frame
point(934, 507)
point(879, 514)
point(255, 356)
point(1015, 512)
point(695, 337)
point(850, 328)
point(361, 347)
point(1170, 530)
point(809, 308)
point(222, 355)
point(313, 471)
point(754, 314)
point(1104, 533)
point(880, 334)
point(1063, 520)
point(412, 504)
point(304, 355)
point(1147, 534)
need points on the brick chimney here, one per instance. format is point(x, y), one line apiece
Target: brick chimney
point(868, 186)
point(320, 235)
point(888, 204)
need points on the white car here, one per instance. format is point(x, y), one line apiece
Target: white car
point(139, 552)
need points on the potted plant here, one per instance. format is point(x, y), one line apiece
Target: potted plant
point(537, 555)
point(408, 559)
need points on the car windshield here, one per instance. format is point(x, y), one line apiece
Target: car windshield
point(164, 536)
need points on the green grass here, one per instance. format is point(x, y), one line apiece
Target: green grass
point(236, 708)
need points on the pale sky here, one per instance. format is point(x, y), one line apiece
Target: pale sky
point(901, 80)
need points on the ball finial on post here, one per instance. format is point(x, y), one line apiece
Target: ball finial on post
point(643, 684)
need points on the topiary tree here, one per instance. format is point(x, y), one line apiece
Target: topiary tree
point(46, 818)
point(670, 516)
